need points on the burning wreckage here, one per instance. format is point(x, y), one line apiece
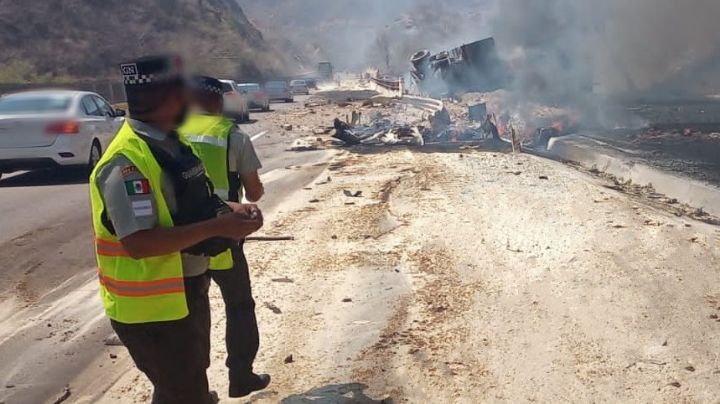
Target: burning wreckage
point(434, 126)
point(472, 67)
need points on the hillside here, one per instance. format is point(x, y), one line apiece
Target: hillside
point(354, 34)
point(53, 40)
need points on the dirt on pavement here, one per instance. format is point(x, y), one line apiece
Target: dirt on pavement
point(476, 277)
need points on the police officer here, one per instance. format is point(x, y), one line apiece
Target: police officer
point(156, 224)
point(232, 165)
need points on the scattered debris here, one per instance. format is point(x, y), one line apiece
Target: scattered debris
point(113, 340)
point(63, 396)
point(287, 127)
point(349, 194)
point(270, 238)
point(308, 143)
point(379, 132)
point(283, 280)
point(273, 308)
point(544, 177)
point(477, 112)
point(314, 200)
point(690, 368)
point(322, 131)
point(327, 181)
point(347, 300)
point(113, 356)
point(288, 359)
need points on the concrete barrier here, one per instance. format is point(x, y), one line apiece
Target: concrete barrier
point(593, 154)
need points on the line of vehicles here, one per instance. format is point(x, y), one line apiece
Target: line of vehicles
point(44, 129)
point(240, 98)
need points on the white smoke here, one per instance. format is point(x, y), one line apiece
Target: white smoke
point(659, 47)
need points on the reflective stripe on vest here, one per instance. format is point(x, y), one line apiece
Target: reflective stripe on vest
point(208, 136)
point(108, 248)
point(211, 140)
point(144, 290)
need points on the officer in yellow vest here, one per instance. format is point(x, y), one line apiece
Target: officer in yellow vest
point(157, 223)
point(232, 166)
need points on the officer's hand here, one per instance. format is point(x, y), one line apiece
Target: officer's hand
point(250, 210)
point(238, 225)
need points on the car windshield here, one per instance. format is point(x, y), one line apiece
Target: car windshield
point(227, 87)
point(276, 84)
point(250, 88)
point(33, 104)
point(298, 83)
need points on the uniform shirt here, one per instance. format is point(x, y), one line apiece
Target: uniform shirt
point(242, 158)
point(130, 204)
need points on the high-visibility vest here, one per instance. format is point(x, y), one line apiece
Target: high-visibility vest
point(208, 136)
point(136, 290)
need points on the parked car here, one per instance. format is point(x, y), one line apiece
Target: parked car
point(279, 91)
point(311, 83)
point(236, 103)
point(53, 128)
point(299, 87)
point(257, 98)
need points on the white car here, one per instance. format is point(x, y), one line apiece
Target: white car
point(54, 128)
point(299, 87)
point(236, 103)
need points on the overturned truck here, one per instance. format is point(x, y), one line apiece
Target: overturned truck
point(472, 67)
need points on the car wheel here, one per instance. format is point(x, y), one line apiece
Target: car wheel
point(95, 154)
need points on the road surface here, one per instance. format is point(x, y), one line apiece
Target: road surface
point(52, 326)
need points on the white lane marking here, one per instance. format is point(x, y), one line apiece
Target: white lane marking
point(258, 136)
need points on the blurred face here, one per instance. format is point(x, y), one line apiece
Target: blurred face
point(174, 109)
point(209, 103)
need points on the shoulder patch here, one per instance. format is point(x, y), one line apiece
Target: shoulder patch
point(137, 187)
point(129, 170)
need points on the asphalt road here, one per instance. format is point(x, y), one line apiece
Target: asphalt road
point(52, 328)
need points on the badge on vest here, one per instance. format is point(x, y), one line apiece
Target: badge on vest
point(129, 170)
point(142, 208)
point(137, 187)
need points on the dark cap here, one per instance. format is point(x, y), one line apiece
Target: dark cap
point(206, 85)
point(152, 70)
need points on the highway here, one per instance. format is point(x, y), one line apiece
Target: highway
point(52, 327)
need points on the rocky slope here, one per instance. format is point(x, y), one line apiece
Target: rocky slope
point(78, 38)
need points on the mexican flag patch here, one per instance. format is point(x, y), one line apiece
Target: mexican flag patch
point(137, 187)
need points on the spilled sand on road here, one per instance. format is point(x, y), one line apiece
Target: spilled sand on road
point(476, 277)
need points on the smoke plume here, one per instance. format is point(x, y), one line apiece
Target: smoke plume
point(619, 47)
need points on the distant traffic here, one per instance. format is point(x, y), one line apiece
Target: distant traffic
point(54, 128)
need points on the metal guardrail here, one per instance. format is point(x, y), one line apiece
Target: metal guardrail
point(426, 104)
point(393, 85)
